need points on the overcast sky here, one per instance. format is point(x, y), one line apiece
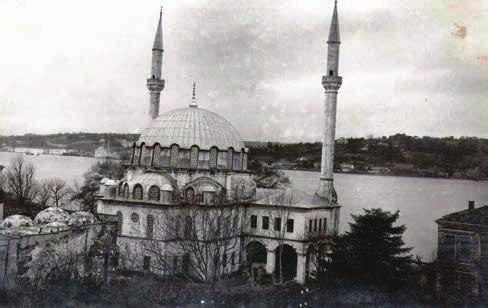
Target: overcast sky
point(417, 67)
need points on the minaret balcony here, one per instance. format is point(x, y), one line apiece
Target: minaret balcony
point(332, 83)
point(155, 85)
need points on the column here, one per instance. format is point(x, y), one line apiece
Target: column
point(301, 268)
point(270, 262)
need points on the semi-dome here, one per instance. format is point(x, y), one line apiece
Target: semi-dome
point(192, 126)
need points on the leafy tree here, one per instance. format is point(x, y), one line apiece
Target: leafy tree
point(372, 251)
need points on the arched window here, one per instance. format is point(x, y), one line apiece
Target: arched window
point(174, 155)
point(138, 192)
point(331, 73)
point(121, 189)
point(237, 161)
point(167, 197)
point(132, 160)
point(194, 157)
point(120, 221)
point(208, 197)
point(150, 226)
point(244, 160)
point(134, 217)
point(213, 157)
point(188, 228)
point(137, 151)
point(141, 153)
point(126, 191)
point(155, 156)
point(229, 158)
point(154, 193)
point(190, 194)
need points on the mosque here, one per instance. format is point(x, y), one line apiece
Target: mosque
point(188, 203)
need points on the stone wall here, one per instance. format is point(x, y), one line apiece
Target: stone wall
point(83, 251)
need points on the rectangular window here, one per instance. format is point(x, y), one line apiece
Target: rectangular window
point(320, 224)
point(315, 225)
point(147, 263)
point(325, 225)
point(254, 221)
point(277, 224)
point(310, 222)
point(289, 225)
point(265, 224)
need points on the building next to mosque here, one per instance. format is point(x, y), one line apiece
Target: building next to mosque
point(188, 203)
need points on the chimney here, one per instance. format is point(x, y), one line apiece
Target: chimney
point(470, 205)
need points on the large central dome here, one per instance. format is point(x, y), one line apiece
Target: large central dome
point(192, 126)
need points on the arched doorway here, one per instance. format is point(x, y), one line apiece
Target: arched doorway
point(286, 263)
point(256, 256)
point(256, 253)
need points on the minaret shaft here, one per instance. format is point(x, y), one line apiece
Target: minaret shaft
point(155, 84)
point(331, 83)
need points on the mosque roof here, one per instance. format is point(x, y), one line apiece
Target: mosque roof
point(192, 126)
point(291, 196)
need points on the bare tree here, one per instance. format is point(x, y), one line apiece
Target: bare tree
point(52, 192)
point(20, 181)
point(59, 191)
point(206, 238)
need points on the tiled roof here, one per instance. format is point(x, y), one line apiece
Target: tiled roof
point(192, 126)
point(476, 216)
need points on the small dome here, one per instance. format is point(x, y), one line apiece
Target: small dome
point(56, 225)
point(81, 218)
point(51, 214)
point(149, 179)
point(192, 126)
point(16, 221)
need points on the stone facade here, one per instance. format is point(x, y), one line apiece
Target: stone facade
point(31, 255)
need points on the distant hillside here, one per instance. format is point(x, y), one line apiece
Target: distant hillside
point(396, 155)
point(81, 142)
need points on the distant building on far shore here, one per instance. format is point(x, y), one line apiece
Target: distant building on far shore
point(463, 253)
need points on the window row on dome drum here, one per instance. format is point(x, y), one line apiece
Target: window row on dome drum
point(154, 193)
point(174, 157)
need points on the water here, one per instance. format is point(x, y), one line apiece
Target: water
point(420, 200)
point(68, 168)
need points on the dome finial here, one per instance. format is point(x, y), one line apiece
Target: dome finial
point(194, 97)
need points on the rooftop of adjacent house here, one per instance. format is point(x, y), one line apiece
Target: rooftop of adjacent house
point(472, 215)
point(291, 197)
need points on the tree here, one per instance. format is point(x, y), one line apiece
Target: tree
point(203, 238)
point(52, 192)
point(372, 251)
point(20, 182)
point(87, 192)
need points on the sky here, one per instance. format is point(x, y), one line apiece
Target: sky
point(416, 67)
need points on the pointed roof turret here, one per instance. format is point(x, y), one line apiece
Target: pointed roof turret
point(158, 40)
point(334, 34)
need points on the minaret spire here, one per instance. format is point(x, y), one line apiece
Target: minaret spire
point(155, 84)
point(331, 83)
point(194, 96)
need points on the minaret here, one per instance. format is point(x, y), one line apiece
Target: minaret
point(155, 84)
point(331, 83)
